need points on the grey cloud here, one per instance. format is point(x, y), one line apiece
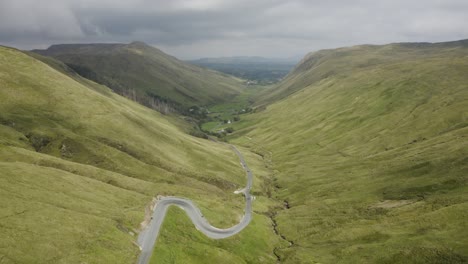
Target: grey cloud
point(197, 28)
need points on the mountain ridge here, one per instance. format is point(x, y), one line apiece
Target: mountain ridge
point(146, 74)
point(321, 63)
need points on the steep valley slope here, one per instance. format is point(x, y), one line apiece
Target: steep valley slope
point(370, 149)
point(79, 164)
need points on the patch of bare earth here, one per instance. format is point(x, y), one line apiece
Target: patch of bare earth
point(149, 209)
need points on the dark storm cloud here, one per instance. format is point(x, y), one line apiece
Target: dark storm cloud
point(194, 28)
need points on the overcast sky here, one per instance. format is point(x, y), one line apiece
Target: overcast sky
point(210, 28)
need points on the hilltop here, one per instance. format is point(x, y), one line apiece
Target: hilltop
point(146, 74)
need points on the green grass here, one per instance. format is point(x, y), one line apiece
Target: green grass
point(211, 125)
point(370, 153)
point(78, 165)
point(49, 215)
point(180, 242)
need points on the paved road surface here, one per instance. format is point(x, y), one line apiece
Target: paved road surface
point(147, 238)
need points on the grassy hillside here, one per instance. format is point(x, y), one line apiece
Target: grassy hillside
point(79, 165)
point(146, 74)
point(370, 151)
point(322, 64)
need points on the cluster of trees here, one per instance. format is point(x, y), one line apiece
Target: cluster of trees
point(156, 103)
point(197, 112)
point(197, 132)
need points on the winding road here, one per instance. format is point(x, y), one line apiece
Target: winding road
point(147, 238)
